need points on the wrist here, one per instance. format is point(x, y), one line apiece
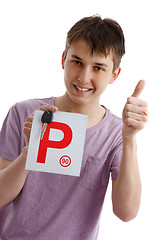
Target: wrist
point(128, 138)
point(24, 157)
point(25, 151)
point(128, 133)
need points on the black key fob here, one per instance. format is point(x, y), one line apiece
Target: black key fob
point(47, 117)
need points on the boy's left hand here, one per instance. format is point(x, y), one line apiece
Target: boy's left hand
point(135, 113)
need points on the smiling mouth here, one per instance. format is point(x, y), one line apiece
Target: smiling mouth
point(83, 89)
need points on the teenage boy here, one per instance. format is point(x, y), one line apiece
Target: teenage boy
point(38, 205)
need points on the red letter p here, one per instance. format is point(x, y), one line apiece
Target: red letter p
point(46, 143)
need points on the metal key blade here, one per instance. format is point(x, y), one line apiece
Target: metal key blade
point(44, 126)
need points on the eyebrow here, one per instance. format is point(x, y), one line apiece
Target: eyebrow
point(98, 64)
point(101, 64)
point(74, 56)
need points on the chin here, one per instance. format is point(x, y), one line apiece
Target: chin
point(79, 100)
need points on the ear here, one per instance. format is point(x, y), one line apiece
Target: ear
point(115, 75)
point(63, 54)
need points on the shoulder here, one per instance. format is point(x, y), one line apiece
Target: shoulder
point(112, 129)
point(112, 123)
point(113, 119)
point(27, 107)
point(109, 129)
point(21, 110)
point(106, 137)
point(114, 126)
point(33, 103)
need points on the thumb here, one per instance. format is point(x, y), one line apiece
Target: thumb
point(139, 88)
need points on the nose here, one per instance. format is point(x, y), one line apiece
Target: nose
point(85, 75)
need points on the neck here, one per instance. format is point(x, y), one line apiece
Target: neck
point(94, 111)
point(64, 103)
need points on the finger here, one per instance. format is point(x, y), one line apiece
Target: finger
point(32, 115)
point(137, 125)
point(137, 102)
point(29, 119)
point(27, 132)
point(138, 117)
point(28, 124)
point(136, 109)
point(48, 108)
point(139, 88)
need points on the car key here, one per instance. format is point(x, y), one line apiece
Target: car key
point(46, 119)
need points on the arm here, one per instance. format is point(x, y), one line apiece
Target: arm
point(126, 189)
point(12, 178)
point(13, 174)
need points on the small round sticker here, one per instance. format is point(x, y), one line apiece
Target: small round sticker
point(65, 161)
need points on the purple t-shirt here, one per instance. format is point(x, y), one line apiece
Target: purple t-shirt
point(53, 206)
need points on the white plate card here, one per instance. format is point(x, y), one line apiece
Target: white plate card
point(61, 149)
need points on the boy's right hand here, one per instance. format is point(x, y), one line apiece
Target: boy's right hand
point(28, 123)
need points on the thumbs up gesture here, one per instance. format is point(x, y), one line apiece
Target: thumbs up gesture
point(135, 113)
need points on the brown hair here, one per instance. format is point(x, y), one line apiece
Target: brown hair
point(102, 35)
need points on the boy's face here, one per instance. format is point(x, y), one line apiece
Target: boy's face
point(86, 76)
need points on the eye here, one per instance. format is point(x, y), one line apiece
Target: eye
point(99, 68)
point(77, 62)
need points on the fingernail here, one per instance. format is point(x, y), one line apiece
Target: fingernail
point(146, 112)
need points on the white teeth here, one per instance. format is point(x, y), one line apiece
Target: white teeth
point(82, 89)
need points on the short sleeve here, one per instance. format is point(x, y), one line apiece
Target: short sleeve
point(12, 140)
point(116, 161)
point(10, 135)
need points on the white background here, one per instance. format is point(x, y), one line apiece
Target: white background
point(32, 38)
